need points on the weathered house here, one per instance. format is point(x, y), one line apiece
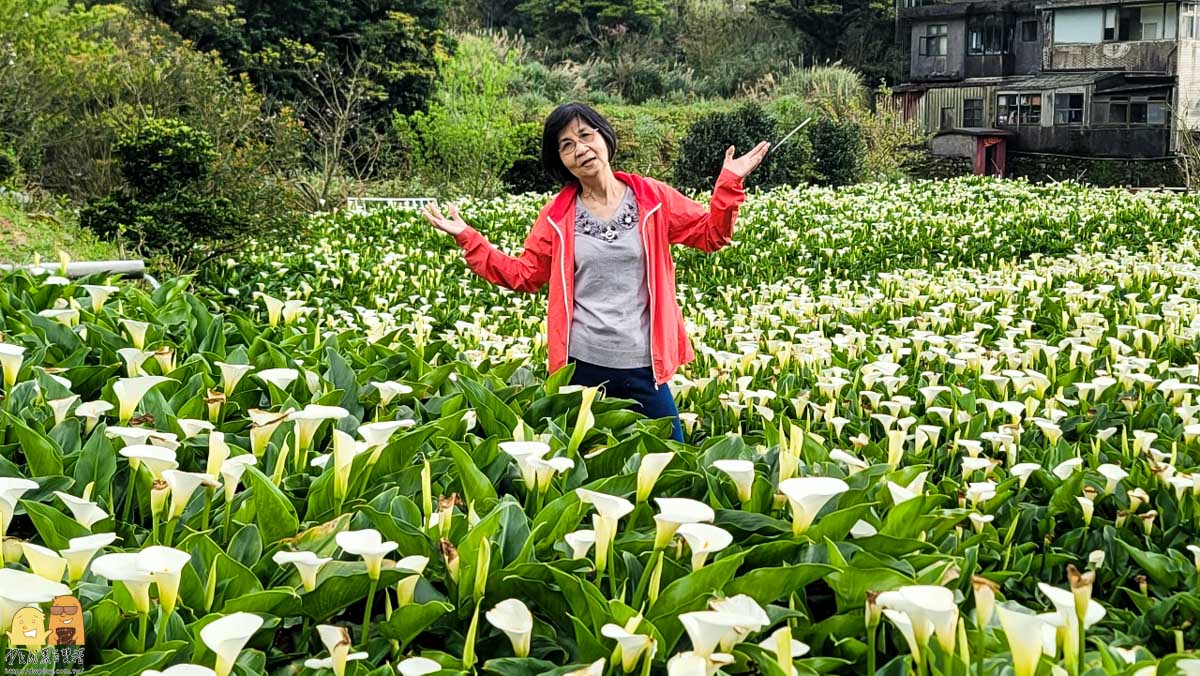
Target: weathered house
point(1080, 77)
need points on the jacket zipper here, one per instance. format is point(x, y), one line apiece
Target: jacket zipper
point(562, 269)
point(650, 292)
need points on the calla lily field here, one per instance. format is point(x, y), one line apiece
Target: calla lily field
point(943, 428)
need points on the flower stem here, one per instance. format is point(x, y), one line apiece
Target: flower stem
point(980, 642)
point(872, 633)
point(204, 518)
point(228, 522)
point(143, 620)
point(366, 623)
point(161, 627)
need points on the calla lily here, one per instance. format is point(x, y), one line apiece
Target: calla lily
point(610, 509)
point(274, 307)
point(11, 490)
point(1113, 474)
point(376, 435)
point(707, 628)
point(134, 358)
point(79, 552)
point(86, 512)
point(183, 485)
point(581, 541)
point(99, 293)
point(91, 413)
point(985, 599)
point(904, 623)
point(630, 644)
point(369, 545)
point(523, 452)
point(337, 642)
point(227, 636)
point(281, 377)
point(218, 452)
point(231, 473)
point(263, 426)
point(165, 566)
point(674, 512)
point(594, 669)
point(512, 617)
point(1022, 471)
point(650, 468)
point(11, 357)
point(130, 436)
point(853, 465)
point(344, 449)
point(137, 332)
point(742, 474)
point(307, 563)
point(692, 664)
point(45, 563)
point(807, 495)
point(753, 618)
point(191, 427)
point(122, 567)
point(61, 407)
point(863, 529)
point(929, 608)
point(130, 391)
point(406, 587)
point(231, 374)
point(1065, 468)
point(704, 539)
point(309, 419)
point(389, 390)
point(772, 643)
point(19, 589)
point(1024, 634)
point(418, 666)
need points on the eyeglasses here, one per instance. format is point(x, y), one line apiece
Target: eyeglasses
point(63, 610)
point(567, 146)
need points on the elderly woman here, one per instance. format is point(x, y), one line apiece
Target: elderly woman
point(604, 246)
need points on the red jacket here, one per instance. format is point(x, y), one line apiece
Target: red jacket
point(668, 217)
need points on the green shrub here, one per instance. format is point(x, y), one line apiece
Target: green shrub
point(702, 152)
point(163, 155)
point(526, 173)
point(162, 226)
point(8, 165)
point(467, 140)
point(838, 156)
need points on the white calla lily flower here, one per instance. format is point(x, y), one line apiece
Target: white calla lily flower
point(649, 469)
point(368, 544)
point(79, 553)
point(741, 472)
point(19, 589)
point(131, 391)
point(704, 539)
point(807, 495)
point(227, 636)
point(122, 567)
point(165, 566)
point(85, 512)
point(512, 617)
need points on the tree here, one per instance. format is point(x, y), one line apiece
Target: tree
point(599, 23)
point(279, 42)
point(859, 33)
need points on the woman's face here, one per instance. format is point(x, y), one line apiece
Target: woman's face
point(582, 150)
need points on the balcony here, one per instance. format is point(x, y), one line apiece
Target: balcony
point(1144, 56)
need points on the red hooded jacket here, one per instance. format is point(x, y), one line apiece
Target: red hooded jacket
point(668, 217)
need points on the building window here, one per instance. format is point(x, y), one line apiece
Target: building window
point(1068, 109)
point(1029, 31)
point(1188, 23)
point(1123, 24)
point(988, 35)
point(1018, 109)
point(933, 43)
point(972, 112)
point(1124, 111)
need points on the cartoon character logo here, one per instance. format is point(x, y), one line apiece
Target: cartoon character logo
point(28, 628)
point(66, 621)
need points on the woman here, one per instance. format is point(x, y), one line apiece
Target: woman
point(603, 245)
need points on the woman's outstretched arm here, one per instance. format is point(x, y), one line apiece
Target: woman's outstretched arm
point(527, 272)
point(709, 229)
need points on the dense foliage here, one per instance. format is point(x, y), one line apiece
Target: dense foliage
point(702, 151)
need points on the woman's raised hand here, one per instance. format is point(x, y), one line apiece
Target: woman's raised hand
point(746, 163)
point(453, 225)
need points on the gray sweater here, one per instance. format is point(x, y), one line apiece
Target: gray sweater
point(611, 323)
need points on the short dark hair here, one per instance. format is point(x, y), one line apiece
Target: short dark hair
point(556, 122)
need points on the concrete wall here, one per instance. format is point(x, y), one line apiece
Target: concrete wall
point(1028, 55)
point(953, 145)
point(1156, 56)
point(934, 67)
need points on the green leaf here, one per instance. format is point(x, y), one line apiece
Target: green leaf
point(1159, 567)
point(409, 621)
point(42, 453)
point(55, 527)
point(766, 585)
point(341, 584)
point(475, 484)
point(274, 514)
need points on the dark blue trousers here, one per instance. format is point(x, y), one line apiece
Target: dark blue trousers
point(636, 384)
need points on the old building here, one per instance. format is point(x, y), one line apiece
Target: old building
point(1079, 77)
